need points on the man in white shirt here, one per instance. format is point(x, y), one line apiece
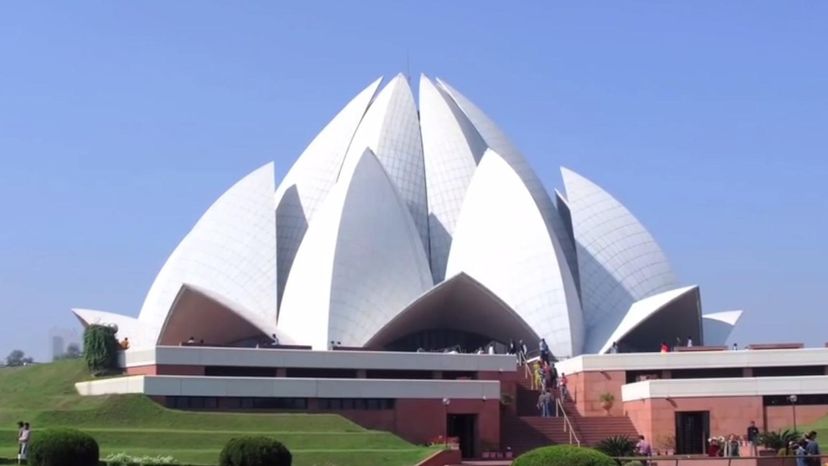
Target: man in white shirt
point(25, 434)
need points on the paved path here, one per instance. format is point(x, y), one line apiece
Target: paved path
point(486, 463)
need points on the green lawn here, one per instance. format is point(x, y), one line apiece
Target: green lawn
point(821, 427)
point(45, 396)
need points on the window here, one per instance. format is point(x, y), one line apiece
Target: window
point(801, 400)
point(789, 371)
point(372, 404)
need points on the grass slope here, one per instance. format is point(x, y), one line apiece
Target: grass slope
point(821, 426)
point(45, 396)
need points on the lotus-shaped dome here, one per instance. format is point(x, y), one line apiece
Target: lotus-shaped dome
point(402, 227)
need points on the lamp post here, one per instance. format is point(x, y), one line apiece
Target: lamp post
point(793, 399)
point(446, 403)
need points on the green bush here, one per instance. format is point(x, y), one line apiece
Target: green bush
point(617, 446)
point(100, 349)
point(254, 451)
point(634, 463)
point(63, 447)
point(779, 440)
point(564, 455)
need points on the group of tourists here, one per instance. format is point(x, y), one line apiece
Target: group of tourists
point(542, 374)
point(728, 447)
point(24, 434)
point(665, 348)
point(807, 450)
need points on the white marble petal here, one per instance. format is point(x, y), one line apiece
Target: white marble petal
point(719, 325)
point(139, 334)
point(311, 178)
point(501, 240)
point(452, 149)
point(391, 129)
point(231, 251)
point(619, 262)
point(360, 264)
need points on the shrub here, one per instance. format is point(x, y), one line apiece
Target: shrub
point(634, 463)
point(63, 447)
point(779, 439)
point(254, 451)
point(100, 349)
point(617, 445)
point(564, 455)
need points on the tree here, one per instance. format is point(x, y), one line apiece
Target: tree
point(100, 349)
point(72, 352)
point(18, 358)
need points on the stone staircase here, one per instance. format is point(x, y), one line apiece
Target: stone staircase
point(523, 433)
point(593, 429)
point(528, 430)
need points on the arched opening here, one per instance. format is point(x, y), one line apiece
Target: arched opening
point(459, 312)
point(209, 320)
point(672, 322)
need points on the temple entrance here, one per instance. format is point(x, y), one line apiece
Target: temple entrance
point(459, 314)
point(464, 427)
point(692, 432)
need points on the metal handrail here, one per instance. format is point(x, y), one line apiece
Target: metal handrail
point(568, 428)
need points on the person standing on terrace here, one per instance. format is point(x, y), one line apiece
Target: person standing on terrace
point(752, 437)
point(544, 350)
point(545, 403)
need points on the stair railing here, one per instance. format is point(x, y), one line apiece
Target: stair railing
point(567, 426)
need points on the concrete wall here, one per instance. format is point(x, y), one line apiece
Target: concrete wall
point(586, 389)
point(724, 387)
point(159, 385)
point(117, 385)
point(265, 357)
point(695, 360)
point(655, 418)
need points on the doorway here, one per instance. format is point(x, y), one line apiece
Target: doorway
point(692, 432)
point(464, 427)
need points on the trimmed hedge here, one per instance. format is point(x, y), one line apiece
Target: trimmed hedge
point(63, 447)
point(564, 455)
point(255, 451)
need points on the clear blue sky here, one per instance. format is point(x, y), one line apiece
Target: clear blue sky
point(120, 122)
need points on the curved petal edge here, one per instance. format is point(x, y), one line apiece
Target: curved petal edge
point(501, 235)
point(359, 265)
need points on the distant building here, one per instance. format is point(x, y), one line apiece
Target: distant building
point(58, 347)
point(60, 338)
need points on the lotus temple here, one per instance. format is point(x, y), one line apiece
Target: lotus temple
point(404, 227)
point(408, 235)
